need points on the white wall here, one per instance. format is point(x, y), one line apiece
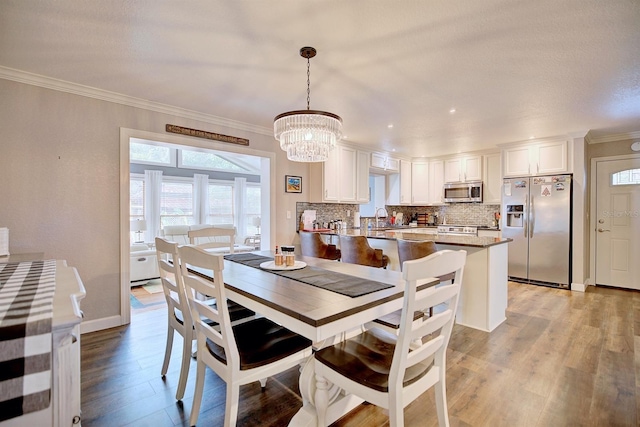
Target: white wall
point(59, 181)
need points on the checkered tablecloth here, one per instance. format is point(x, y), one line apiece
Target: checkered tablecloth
point(26, 313)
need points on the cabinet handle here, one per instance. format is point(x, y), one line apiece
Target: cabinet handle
point(76, 419)
point(74, 339)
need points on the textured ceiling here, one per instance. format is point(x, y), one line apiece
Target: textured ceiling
point(512, 69)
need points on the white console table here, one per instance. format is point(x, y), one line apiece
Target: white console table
point(64, 409)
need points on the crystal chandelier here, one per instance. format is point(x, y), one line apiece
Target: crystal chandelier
point(307, 135)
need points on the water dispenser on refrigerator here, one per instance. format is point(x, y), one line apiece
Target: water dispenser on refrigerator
point(515, 215)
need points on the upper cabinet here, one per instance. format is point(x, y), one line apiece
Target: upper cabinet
point(541, 158)
point(420, 183)
point(384, 164)
point(436, 182)
point(399, 185)
point(462, 169)
point(362, 177)
point(492, 179)
point(342, 178)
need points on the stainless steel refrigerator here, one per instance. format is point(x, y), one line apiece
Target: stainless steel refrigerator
point(536, 214)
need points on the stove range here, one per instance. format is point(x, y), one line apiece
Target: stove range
point(458, 230)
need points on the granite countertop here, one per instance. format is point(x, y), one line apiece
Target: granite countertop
point(404, 234)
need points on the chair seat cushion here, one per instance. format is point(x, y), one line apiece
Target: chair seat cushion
point(366, 359)
point(260, 342)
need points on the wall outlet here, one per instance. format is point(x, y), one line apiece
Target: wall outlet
point(348, 213)
point(288, 214)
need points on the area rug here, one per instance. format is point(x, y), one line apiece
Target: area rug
point(153, 286)
point(135, 303)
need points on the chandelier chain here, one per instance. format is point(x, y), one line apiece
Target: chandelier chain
point(308, 82)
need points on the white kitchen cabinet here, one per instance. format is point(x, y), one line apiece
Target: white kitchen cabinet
point(383, 163)
point(462, 169)
point(348, 158)
point(399, 185)
point(492, 179)
point(436, 181)
point(342, 178)
point(541, 158)
point(420, 183)
point(483, 232)
point(362, 177)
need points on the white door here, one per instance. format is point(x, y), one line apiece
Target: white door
point(618, 223)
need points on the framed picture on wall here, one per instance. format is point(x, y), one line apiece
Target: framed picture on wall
point(292, 184)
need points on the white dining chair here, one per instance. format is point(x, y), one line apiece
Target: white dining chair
point(219, 239)
point(179, 316)
point(407, 250)
point(238, 354)
point(381, 367)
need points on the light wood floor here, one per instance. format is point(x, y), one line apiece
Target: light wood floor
point(560, 359)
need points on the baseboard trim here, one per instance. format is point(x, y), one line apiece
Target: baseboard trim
point(100, 324)
point(579, 287)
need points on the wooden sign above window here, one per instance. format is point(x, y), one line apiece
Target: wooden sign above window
point(207, 135)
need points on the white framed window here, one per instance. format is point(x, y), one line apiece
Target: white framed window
point(253, 210)
point(176, 202)
point(143, 152)
point(221, 203)
point(626, 177)
point(136, 201)
point(191, 159)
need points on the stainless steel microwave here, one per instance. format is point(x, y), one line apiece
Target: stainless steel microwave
point(463, 192)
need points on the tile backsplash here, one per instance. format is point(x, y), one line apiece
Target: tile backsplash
point(454, 213)
point(326, 212)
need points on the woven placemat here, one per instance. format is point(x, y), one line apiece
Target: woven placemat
point(343, 284)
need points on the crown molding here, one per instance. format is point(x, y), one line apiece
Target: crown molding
point(117, 98)
point(612, 138)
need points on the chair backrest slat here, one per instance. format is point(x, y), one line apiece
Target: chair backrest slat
point(172, 286)
point(435, 331)
point(193, 257)
point(213, 237)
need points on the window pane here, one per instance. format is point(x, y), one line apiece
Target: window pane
point(136, 197)
point(220, 204)
point(197, 159)
point(149, 153)
point(253, 210)
point(628, 177)
point(176, 203)
point(136, 205)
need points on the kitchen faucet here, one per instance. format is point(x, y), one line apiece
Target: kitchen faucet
point(385, 214)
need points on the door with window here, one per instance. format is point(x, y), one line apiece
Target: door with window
point(618, 223)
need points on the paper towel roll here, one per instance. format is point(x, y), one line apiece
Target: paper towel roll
point(356, 219)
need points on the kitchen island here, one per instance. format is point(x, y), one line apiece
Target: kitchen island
point(483, 296)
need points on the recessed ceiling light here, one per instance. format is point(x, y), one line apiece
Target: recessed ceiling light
point(453, 110)
point(532, 137)
point(393, 149)
point(390, 126)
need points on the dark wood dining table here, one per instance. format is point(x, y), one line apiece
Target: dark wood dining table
point(322, 315)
